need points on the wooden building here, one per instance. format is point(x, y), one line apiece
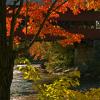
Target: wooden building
point(87, 23)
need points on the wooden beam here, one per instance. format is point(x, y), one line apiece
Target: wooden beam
point(92, 34)
point(87, 16)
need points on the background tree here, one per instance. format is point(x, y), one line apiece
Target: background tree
point(13, 33)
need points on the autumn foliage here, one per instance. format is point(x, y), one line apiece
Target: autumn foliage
point(37, 12)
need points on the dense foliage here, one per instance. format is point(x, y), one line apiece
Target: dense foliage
point(61, 87)
point(54, 55)
point(38, 17)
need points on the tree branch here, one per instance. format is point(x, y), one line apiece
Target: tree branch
point(60, 5)
point(42, 24)
point(13, 22)
point(39, 30)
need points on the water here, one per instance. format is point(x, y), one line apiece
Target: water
point(19, 85)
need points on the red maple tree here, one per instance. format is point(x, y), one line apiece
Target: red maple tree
point(41, 15)
point(40, 18)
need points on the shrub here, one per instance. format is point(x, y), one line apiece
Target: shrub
point(61, 89)
point(59, 57)
point(21, 60)
point(30, 72)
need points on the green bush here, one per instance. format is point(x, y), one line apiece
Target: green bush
point(62, 87)
point(57, 91)
point(59, 57)
point(60, 90)
point(30, 72)
point(22, 60)
point(92, 94)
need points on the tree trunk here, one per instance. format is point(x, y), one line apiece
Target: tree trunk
point(6, 73)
